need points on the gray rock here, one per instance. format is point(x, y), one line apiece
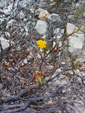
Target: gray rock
point(57, 32)
point(60, 80)
point(41, 27)
point(55, 18)
point(71, 17)
point(10, 23)
point(5, 43)
point(21, 15)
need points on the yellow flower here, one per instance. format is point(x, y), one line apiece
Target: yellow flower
point(41, 44)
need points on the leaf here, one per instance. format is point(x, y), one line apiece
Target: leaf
point(73, 59)
point(40, 80)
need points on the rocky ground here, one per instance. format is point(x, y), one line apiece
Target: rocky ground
point(22, 24)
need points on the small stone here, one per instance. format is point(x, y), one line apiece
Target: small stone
point(7, 34)
point(71, 17)
point(21, 15)
point(38, 11)
point(63, 63)
point(2, 3)
point(5, 43)
point(77, 5)
point(43, 37)
point(10, 23)
point(56, 72)
point(49, 67)
point(77, 71)
point(55, 18)
point(25, 61)
point(44, 15)
point(41, 27)
point(57, 32)
point(39, 56)
point(25, 19)
point(30, 57)
point(62, 31)
point(7, 10)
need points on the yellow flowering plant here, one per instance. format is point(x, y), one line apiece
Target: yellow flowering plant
point(41, 44)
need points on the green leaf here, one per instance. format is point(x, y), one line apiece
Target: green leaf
point(73, 59)
point(0, 28)
point(68, 45)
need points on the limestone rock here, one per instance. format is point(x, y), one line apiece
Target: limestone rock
point(41, 27)
point(44, 15)
point(5, 43)
point(10, 23)
point(76, 41)
point(7, 10)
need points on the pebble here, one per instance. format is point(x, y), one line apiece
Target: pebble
point(41, 27)
point(55, 18)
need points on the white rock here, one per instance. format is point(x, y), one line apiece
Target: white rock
point(7, 34)
point(43, 37)
point(1, 11)
point(62, 31)
point(41, 27)
point(5, 43)
point(76, 41)
point(7, 11)
point(30, 57)
point(21, 15)
point(25, 61)
point(10, 23)
point(44, 15)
